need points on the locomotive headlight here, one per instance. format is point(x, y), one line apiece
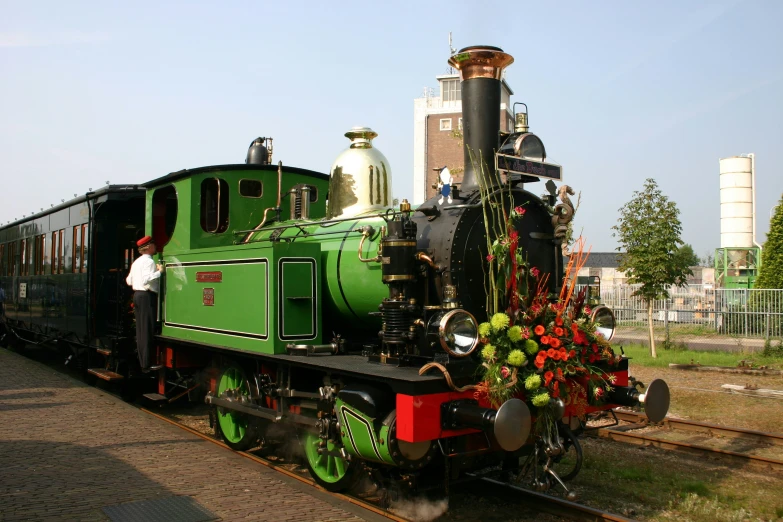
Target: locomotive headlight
point(457, 332)
point(605, 322)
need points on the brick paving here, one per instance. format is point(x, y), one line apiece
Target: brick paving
point(67, 450)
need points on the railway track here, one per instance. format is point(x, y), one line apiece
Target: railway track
point(531, 499)
point(623, 433)
point(554, 505)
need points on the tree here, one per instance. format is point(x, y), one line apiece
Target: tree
point(687, 255)
point(708, 259)
point(771, 273)
point(648, 231)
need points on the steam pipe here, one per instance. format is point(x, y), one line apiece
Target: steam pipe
point(275, 208)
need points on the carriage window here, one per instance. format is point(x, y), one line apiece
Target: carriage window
point(214, 205)
point(251, 188)
point(40, 254)
point(23, 270)
point(55, 258)
point(76, 245)
point(11, 259)
point(313, 193)
point(85, 247)
point(61, 252)
point(80, 248)
point(164, 215)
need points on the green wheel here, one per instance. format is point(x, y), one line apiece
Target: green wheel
point(330, 472)
point(238, 430)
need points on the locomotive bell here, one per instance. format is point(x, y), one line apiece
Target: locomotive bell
point(361, 178)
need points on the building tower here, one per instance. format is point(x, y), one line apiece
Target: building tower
point(437, 125)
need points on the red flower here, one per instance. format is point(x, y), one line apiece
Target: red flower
point(551, 353)
point(554, 342)
point(539, 330)
point(592, 358)
point(558, 331)
point(587, 310)
point(513, 237)
point(490, 257)
point(520, 210)
point(548, 378)
point(540, 362)
point(559, 322)
point(534, 271)
point(571, 354)
point(504, 372)
point(595, 349)
point(556, 390)
point(574, 327)
point(545, 339)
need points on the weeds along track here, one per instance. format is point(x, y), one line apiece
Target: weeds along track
point(755, 439)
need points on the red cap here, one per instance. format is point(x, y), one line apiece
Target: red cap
point(143, 241)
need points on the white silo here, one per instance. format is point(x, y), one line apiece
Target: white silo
point(737, 198)
point(737, 259)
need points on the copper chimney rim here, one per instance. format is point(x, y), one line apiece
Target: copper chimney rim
point(481, 61)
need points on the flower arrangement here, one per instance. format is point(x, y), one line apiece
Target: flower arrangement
point(537, 346)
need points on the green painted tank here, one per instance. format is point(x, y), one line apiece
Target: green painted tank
point(352, 285)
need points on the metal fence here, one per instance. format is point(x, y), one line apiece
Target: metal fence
point(701, 310)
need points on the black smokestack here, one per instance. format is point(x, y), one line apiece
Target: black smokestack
point(481, 69)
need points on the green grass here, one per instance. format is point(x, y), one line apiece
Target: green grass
point(680, 329)
point(640, 355)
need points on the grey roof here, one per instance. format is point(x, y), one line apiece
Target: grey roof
point(603, 260)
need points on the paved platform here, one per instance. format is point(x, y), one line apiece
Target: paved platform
point(68, 450)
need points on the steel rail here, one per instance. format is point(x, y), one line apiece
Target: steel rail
point(707, 428)
point(646, 440)
point(255, 458)
point(557, 506)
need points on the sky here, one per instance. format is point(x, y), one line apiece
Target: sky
point(618, 91)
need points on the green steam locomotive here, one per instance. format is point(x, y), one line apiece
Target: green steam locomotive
point(308, 300)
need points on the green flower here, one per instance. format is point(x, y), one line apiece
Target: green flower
point(541, 399)
point(516, 358)
point(531, 347)
point(484, 329)
point(488, 352)
point(533, 382)
point(499, 321)
point(515, 333)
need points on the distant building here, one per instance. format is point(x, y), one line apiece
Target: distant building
point(606, 266)
point(437, 122)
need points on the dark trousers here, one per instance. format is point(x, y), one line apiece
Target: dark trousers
point(145, 305)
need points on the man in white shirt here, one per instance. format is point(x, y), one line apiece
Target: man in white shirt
point(144, 278)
